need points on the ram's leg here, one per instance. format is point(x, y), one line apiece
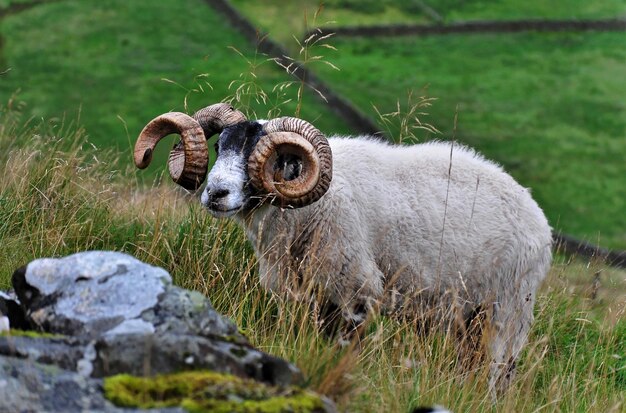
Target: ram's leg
point(510, 334)
point(358, 289)
point(513, 313)
point(327, 317)
point(472, 330)
point(337, 323)
point(353, 323)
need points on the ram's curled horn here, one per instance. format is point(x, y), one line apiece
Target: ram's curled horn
point(189, 159)
point(215, 118)
point(291, 137)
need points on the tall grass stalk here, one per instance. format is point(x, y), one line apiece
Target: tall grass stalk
point(310, 52)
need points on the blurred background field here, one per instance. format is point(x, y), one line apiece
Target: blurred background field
point(113, 65)
point(339, 13)
point(550, 107)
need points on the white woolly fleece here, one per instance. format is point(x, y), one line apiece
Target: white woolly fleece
point(410, 228)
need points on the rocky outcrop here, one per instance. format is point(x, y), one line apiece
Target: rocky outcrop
point(78, 323)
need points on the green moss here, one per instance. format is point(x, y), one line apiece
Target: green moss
point(206, 391)
point(29, 333)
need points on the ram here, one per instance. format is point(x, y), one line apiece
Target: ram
point(430, 232)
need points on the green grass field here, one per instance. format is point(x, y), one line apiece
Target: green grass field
point(296, 17)
point(283, 19)
point(103, 63)
point(534, 9)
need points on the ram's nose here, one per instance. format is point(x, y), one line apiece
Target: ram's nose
point(217, 195)
point(211, 197)
point(221, 201)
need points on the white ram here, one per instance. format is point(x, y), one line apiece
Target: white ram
point(429, 231)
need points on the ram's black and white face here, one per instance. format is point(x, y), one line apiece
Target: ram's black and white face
point(228, 191)
point(228, 188)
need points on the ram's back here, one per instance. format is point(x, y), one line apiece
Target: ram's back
point(437, 211)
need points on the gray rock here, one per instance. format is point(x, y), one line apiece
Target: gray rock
point(31, 387)
point(141, 354)
point(97, 291)
point(61, 351)
point(106, 313)
point(27, 387)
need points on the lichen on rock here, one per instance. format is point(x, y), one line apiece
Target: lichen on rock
point(207, 391)
point(30, 334)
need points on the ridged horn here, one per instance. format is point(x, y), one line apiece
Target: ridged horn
point(291, 136)
point(188, 160)
point(215, 118)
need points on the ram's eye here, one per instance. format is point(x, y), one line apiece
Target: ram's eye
point(217, 148)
